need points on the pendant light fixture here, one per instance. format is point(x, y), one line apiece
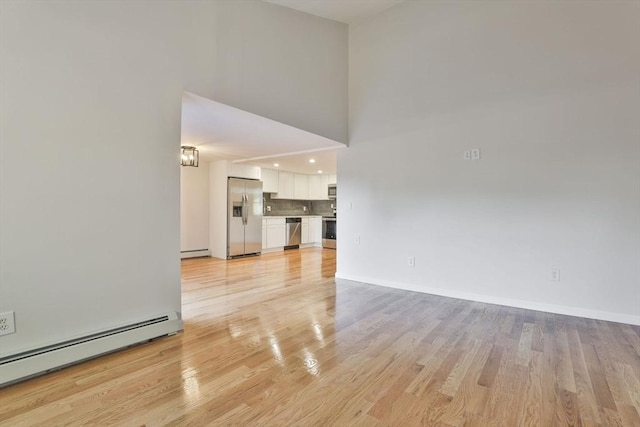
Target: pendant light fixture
point(189, 156)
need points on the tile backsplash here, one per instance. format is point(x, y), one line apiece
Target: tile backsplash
point(285, 207)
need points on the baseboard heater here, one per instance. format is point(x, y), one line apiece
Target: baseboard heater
point(197, 253)
point(28, 364)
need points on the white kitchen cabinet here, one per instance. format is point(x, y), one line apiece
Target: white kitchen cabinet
point(304, 238)
point(240, 170)
point(275, 233)
point(296, 186)
point(318, 187)
point(269, 181)
point(301, 186)
point(286, 185)
point(333, 179)
point(315, 229)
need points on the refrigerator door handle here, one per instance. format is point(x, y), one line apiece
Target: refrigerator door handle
point(245, 215)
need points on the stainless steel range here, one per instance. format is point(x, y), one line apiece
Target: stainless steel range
point(329, 232)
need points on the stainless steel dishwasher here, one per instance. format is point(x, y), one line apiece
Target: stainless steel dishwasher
point(294, 233)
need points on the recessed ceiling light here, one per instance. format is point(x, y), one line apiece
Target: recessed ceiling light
point(319, 171)
point(276, 164)
point(312, 160)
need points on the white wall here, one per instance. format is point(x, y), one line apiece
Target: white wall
point(90, 97)
point(194, 208)
point(283, 64)
point(549, 91)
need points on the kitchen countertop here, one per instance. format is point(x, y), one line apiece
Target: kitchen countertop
point(291, 216)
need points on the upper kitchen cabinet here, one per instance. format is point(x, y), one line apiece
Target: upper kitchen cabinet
point(286, 185)
point(239, 170)
point(333, 179)
point(269, 181)
point(318, 187)
point(296, 186)
point(301, 186)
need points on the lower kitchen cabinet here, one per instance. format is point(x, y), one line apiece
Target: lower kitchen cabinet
point(315, 230)
point(304, 238)
point(264, 233)
point(276, 233)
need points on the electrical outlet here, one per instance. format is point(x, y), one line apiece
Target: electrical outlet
point(475, 154)
point(466, 155)
point(555, 275)
point(7, 323)
point(412, 261)
point(358, 239)
point(268, 208)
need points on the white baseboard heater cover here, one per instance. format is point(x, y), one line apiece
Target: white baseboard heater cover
point(21, 366)
point(195, 253)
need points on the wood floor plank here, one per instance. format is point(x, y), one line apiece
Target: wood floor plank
point(599, 383)
point(629, 415)
point(584, 392)
point(530, 409)
point(490, 369)
point(468, 397)
point(272, 340)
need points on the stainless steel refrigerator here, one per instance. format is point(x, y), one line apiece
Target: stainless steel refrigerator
point(244, 218)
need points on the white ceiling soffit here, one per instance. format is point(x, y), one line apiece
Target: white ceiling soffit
point(347, 11)
point(323, 162)
point(222, 132)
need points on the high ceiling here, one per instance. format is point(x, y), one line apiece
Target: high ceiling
point(323, 162)
point(347, 11)
point(222, 132)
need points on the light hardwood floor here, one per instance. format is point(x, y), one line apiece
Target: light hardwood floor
point(272, 341)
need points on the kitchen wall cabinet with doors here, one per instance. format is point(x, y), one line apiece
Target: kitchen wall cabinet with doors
point(301, 186)
point(295, 186)
point(318, 185)
point(269, 181)
point(286, 185)
point(239, 170)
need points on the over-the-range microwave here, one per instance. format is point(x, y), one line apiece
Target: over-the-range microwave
point(333, 191)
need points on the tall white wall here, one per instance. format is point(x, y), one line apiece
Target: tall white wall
point(283, 64)
point(194, 208)
point(550, 93)
point(90, 98)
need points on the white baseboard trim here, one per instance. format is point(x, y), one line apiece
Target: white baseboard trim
point(509, 302)
point(25, 365)
point(195, 254)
